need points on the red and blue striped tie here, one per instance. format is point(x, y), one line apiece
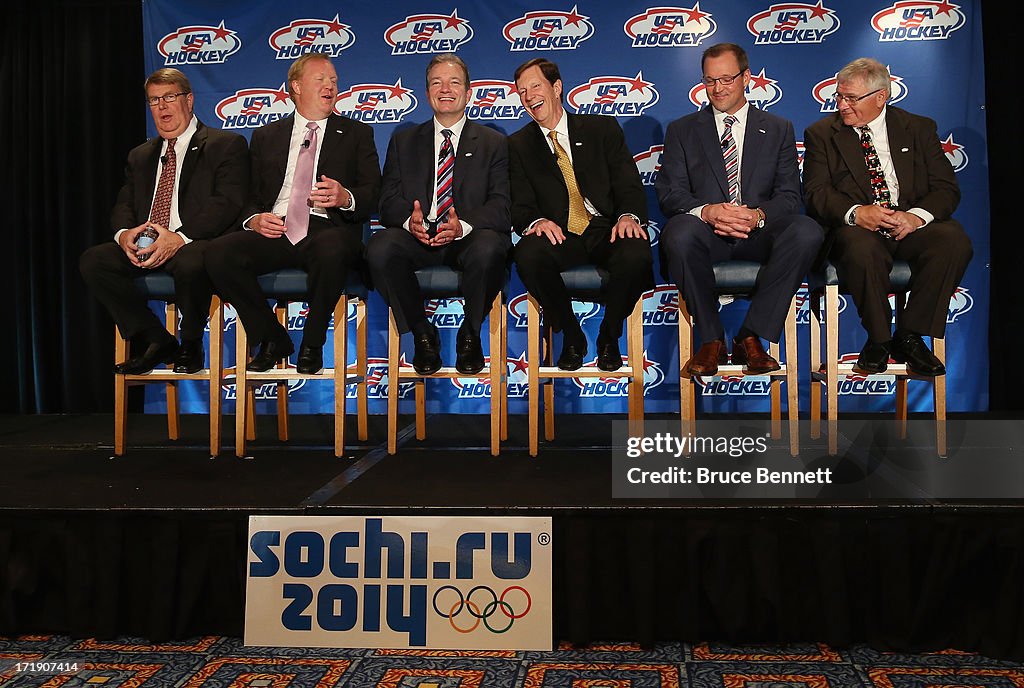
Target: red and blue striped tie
point(445, 165)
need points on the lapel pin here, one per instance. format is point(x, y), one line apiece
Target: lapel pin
point(578, 143)
point(195, 147)
point(904, 150)
point(339, 131)
point(762, 131)
point(469, 155)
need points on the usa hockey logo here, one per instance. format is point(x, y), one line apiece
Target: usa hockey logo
point(199, 45)
point(428, 33)
point(445, 313)
point(762, 92)
point(793, 22)
point(250, 108)
point(955, 153)
point(473, 387)
point(734, 385)
point(583, 310)
point(618, 96)
point(548, 30)
point(618, 387)
point(376, 103)
point(492, 99)
point(824, 92)
point(855, 384)
point(326, 36)
point(803, 305)
point(661, 305)
point(648, 163)
point(959, 303)
point(670, 27)
point(918, 21)
point(267, 390)
point(377, 380)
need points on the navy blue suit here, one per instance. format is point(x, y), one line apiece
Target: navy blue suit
point(693, 174)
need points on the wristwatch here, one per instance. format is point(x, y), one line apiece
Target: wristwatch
point(760, 219)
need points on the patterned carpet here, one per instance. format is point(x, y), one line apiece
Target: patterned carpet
point(52, 662)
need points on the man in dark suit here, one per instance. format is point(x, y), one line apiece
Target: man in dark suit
point(730, 187)
point(876, 178)
point(445, 201)
point(576, 198)
point(315, 180)
point(187, 186)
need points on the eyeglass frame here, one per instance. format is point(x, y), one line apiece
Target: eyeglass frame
point(168, 98)
point(725, 80)
point(850, 100)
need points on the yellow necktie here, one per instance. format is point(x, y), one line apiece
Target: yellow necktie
point(579, 217)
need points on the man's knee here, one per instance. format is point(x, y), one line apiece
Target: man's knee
point(684, 233)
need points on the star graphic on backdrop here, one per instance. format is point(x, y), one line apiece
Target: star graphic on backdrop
point(574, 18)
point(637, 83)
point(694, 15)
point(518, 365)
point(949, 146)
point(335, 26)
point(397, 91)
point(761, 81)
point(453, 22)
point(820, 11)
point(946, 7)
point(222, 34)
point(281, 94)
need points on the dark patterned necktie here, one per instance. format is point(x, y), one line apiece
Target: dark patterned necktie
point(160, 213)
point(445, 168)
point(732, 160)
point(879, 189)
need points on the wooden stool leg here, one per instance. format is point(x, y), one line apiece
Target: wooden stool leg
point(939, 398)
point(687, 396)
point(282, 385)
point(814, 303)
point(340, 373)
point(216, 371)
point(120, 395)
point(242, 406)
point(533, 371)
point(504, 372)
point(792, 380)
point(173, 407)
point(362, 393)
point(496, 369)
point(549, 387)
point(775, 387)
point(635, 352)
point(832, 363)
point(394, 380)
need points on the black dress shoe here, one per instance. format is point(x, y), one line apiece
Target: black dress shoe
point(426, 358)
point(269, 355)
point(155, 354)
point(469, 358)
point(873, 359)
point(911, 349)
point(609, 359)
point(573, 351)
point(310, 360)
point(190, 357)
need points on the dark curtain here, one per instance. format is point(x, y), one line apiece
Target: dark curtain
point(71, 73)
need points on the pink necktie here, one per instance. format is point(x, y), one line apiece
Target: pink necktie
point(297, 220)
point(160, 213)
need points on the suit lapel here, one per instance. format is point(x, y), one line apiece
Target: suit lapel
point(145, 199)
point(712, 147)
point(464, 154)
point(753, 138)
point(847, 142)
point(277, 153)
point(902, 153)
point(580, 154)
point(425, 162)
point(192, 156)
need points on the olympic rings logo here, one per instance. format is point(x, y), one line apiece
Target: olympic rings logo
point(482, 614)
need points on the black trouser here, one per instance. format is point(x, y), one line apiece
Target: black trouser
point(394, 255)
point(938, 255)
point(327, 254)
point(110, 275)
point(629, 263)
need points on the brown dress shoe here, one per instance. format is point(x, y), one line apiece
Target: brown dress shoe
point(709, 356)
point(750, 353)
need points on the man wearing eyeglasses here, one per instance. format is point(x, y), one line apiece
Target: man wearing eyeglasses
point(730, 188)
point(876, 177)
point(186, 186)
point(315, 181)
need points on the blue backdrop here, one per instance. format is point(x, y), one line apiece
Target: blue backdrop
point(639, 63)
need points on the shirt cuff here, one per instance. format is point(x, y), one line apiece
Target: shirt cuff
point(117, 235)
point(466, 229)
point(636, 218)
point(848, 217)
point(924, 215)
point(351, 202)
point(534, 224)
point(184, 237)
point(245, 223)
point(696, 212)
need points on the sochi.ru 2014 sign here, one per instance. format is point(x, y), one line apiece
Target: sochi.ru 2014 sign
point(459, 583)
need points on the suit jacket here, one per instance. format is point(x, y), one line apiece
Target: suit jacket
point(693, 170)
point(347, 154)
point(604, 168)
point(212, 187)
point(836, 175)
point(480, 177)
